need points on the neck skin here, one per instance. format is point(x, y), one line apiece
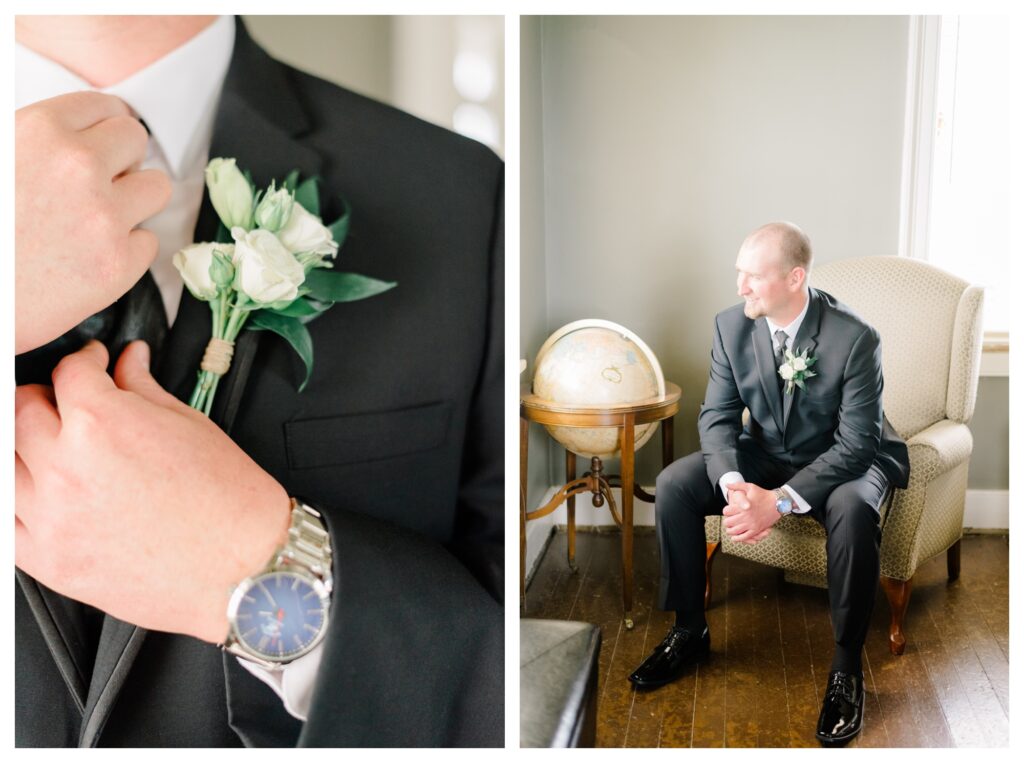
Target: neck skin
point(104, 50)
point(793, 311)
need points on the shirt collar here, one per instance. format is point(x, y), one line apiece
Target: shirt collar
point(793, 327)
point(175, 96)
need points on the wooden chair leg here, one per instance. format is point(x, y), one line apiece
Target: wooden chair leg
point(712, 548)
point(898, 593)
point(953, 561)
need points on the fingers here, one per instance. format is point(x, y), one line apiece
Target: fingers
point(132, 373)
point(81, 376)
point(79, 111)
point(23, 484)
point(119, 141)
point(136, 255)
point(36, 421)
point(739, 500)
point(140, 195)
point(758, 538)
point(24, 548)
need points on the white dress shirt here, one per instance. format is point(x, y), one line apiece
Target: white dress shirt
point(801, 506)
point(176, 96)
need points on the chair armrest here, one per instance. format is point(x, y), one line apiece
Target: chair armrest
point(941, 446)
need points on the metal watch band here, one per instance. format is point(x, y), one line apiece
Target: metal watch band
point(308, 544)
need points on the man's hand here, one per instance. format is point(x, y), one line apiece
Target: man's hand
point(78, 198)
point(129, 500)
point(751, 512)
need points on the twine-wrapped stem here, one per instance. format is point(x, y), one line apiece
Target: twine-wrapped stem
point(227, 322)
point(217, 358)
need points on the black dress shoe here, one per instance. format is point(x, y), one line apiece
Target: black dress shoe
point(842, 712)
point(670, 659)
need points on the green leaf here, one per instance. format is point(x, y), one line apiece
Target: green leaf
point(330, 286)
point(799, 383)
point(292, 331)
point(308, 195)
point(339, 228)
point(302, 307)
point(290, 181)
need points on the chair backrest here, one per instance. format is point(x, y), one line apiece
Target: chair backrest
point(931, 329)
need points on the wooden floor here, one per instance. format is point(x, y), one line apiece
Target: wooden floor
point(771, 647)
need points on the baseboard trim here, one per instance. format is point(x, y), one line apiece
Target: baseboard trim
point(987, 510)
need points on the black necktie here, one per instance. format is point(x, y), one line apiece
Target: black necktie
point(139, 314)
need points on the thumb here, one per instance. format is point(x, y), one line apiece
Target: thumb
point(132, 374)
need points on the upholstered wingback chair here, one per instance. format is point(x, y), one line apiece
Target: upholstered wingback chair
point(931, 329)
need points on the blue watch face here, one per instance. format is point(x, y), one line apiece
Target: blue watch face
point(280, 616)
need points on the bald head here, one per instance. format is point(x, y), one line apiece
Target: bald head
point(787, 241)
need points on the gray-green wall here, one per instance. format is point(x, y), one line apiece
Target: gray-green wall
point(533, 316)
point(666, 140)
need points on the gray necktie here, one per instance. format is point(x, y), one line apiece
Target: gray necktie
point(780, 353)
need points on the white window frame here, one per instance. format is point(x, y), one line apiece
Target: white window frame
point(918, 150)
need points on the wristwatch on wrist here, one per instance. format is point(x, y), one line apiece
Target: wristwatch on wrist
point(783, 503)
point(281, 613)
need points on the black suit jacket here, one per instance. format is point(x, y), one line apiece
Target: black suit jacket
point(398, 437)
point(831, 432)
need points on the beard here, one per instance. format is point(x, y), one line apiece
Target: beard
point(753, 310)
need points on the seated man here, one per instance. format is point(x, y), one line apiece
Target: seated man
point(817, 443)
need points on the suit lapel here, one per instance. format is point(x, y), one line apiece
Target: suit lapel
point(258, 122)
point(806, 339)
point(57, 628)
point(765, 358)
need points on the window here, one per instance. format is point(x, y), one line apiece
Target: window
point(957, 169)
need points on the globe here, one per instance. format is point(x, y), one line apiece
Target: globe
point(597, 363)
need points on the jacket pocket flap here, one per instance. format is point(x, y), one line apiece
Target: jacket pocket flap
point(359, 437)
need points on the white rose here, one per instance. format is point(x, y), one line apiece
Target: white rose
point(193, 262)
point(265, 271)
point(305, 232)
point(230, 193)
point(799, 364)
point(786, 371)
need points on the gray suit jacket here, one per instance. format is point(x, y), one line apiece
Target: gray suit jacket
point(832, 432)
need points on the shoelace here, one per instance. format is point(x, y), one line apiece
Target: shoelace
point(674, 638)
point(841, 684)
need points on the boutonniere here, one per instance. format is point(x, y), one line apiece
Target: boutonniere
point(796, 369)
point(269, 269)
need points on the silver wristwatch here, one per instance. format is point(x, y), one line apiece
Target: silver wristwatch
point(281, 613)
point(783, 501)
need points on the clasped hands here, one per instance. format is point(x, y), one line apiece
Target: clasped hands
point(750, 514)
point(129, 500)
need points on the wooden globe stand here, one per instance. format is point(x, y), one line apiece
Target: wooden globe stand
point(627, 417)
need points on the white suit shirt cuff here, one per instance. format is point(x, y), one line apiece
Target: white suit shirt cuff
point(293, 683)
point(802, 507)
point(727, 479)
